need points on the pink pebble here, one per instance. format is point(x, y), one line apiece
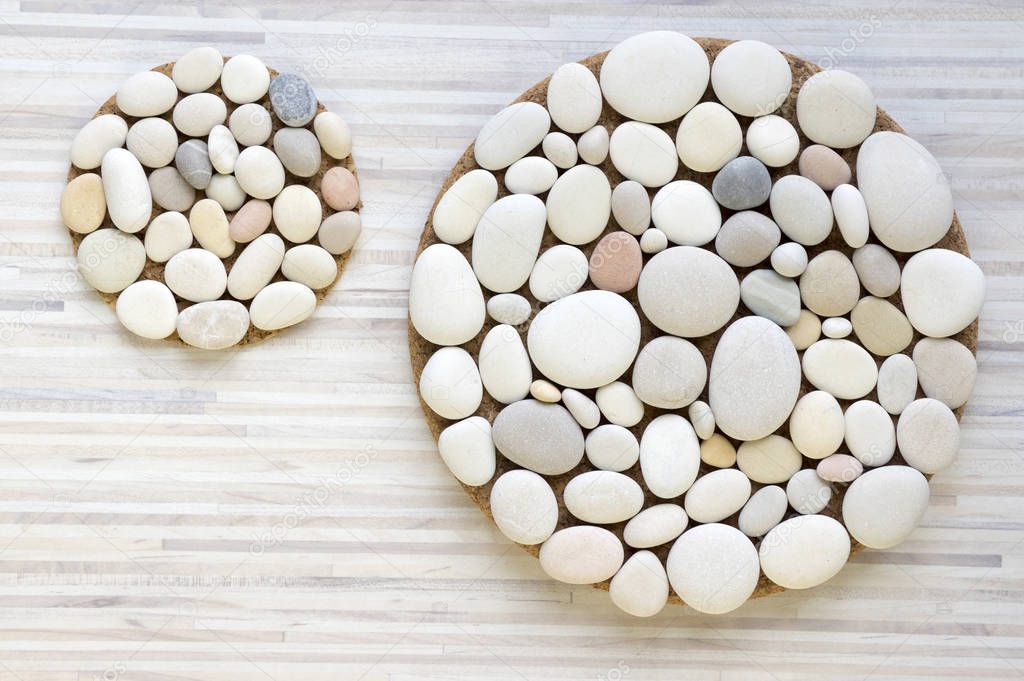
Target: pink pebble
point(839, 468)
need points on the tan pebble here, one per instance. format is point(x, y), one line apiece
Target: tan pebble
point(210, 227)
point(297, 213)
point(806, 331)
point(824, 167)
point(840, 468)
point(310, 265)
point(881, 327)
point(769, 460)
point(251, 220)
point(928, 435)
point(545, 391)
point(877, 269)
point(947, 370)
point(333, 133)
point(631, 207)
point(717, 451)
point(167, 235)
point(829, 286)
point(616, 262)
point(82, 205)
point(338, 233)
point(340, 188)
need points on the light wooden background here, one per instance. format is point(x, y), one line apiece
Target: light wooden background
point(280, 513)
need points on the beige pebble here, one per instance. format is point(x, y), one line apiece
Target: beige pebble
point(467, 449)
point(251, 125)
point(619, 404)
point(717, 451)
point(198, 69)
point(829, 286)
point(560, 150)
point(340, 188)
point(806, 331)
point(214, 325)
point(870, 434)
point(282, 304)
point(603, 497)
point(196, 115)
point(653, 241)
point(153, 141)
point(616, 262)
point(259, 172)
point(197, 275)
point(224, 190)
point(524, 507)
point(82, 204)
point(149, 93)
point(333, 133)
point(167, 235)
point(545, 391)
point(210, 227)
point(840, 367)
point(816, 425)
point(251, 220)
point(244, 79)
point(897, 383)
point(631, 207)
point(877, 269)
point(769, 460)
point(96, 138)
point(110, 260)
point(170, 190)
point(928, 435)
point(947, 370)
point(581, 555)
point(255, 266)
point(655, 525)
point(147, 309)
point(715, 496)
point(297, 213)
point(824, 167)
point(881, 327)
point(223, 149)
point(310, 265)
point(338, 233)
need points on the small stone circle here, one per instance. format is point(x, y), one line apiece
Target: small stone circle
point(201, 175)
point(768, 492)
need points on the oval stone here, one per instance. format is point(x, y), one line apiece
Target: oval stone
point(770, 460)
point(839, 468)
point(653, 241)
point(167, 235)
point(192, 159)
point(768, 294)
point(310, 265)
point(197, 275)
point(717, 451)
point(816, 425)
point(542, 437)
point(773, 141)
point(460, 208)
point(615, 262)
point(198, 69)
point(148, 309)
point(702, 419)
point(835, 108)
point(244, 79)
point(559, 149)
point(801, 209)
point(110, 260)
point(450, 383)
point(881, 327)
point(96, 138)
point(807, 492)
point(709, 136)
point(524, 507)
point(509, 308)
point(333, 134)
point(299, 151)
point(579, 205)
point(214, 325)
point(153, 141)
point(713, 568)
point(338, 232)
point(603, 497)
point(665, 291)
point(824, 167)
point(255, 266)
point(611, 447)
point(594, 144)
point(259, 172)
point(126, 189)
point(574, 98)
point(669, 373)
point(897, 383)
point(655, 525)
point(751, 77)
point(804, 551)
point(754, 380)
point(251, 125)
point(631, 207)
point(687, 213)
point(840, 367)
point(170, 191)
point(507, 241)
point(510, 134)
point(877, 270)
point(446, 305)
point(282, 304)
point(504, 365)
point(468, 451)
point(340, 188)
point(583, 409)
point(742, 183)
point(293, 99)
point(619, 404)
point(297, 213)
point(717, 495)
point(790, 259)
point(643, 153)
point(942, 291)
point(869, 433)
point(829, 286)
point(82, 204)
point(765, 509)
point(851, 215)
point(581, 555)
point(224, 190)
point(882, 507)
point(747, 238)
point(669, 456)
point(195, 115)
point(806, 331)
point(530, 175)
point(947, 370)
point(251, 220)
point(559, 271)
point(210, 226)
point(640, 587)
point(836, 327)
point(928, 435)
point(149, 93)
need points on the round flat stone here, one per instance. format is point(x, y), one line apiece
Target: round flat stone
point(574, 98)
point(773, 141)
point(897, 383)
point(110, 260)
point(615, 262)
point(804, 551)
point(669, 373)
point(667, 286)
point(251, 124)
point(709, 136)
point(770, 460)
point(751, 77)
point(880, 326)
point(504, 365)
point(579, 205)
point(640, 587)
point(765, 509)
point(524, 507)
point(669, 456)
point(611, 447)
point(928, 435)
point(715, 496)
point(244, 79)
point(293, 99)
point(829, 286)
point(877, 270)
point(459, 210)
point(450, 383)
point(824, 167)
point(655, 525)
point(643, 153)
point(713, 568)
point(742, 183)
point(807, 492)
point(197, 275)
point(468, 451)
point(687, 213)
point(768, 294)
point(816, 425)
point(631, 207)
point(603, 497)
point(835, 108)
point(801, 209)
point(947, 370)
point(542, 437)
point(511, 134)
point(197, 69)
point(214, 325)
point(806, 331)
point(147, 309)
point(840, 367)
point(446, 305)
point(882, 507)
point(82, 204)
point(790, 260)
point(942, 291)
point(747, 238)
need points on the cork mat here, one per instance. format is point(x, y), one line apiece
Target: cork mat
point(420, 349)
point(155, 270)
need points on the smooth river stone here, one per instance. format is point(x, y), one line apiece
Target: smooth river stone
point(611, 447)
point(631, 207)
point(297, 213)
point(574, 98)
point(669, 373)
point(530, 175)
point(507, 241)
point(655, 525)
point(545, 391)
point(713, 568)
point(259, 172)
point(801, 209)
point(559, 149)
point(251, 220)
point(224, 190)
point(770, 460)
point(897, 383)
point(829, 286)
point(765, 509)
point(687, 213)
point(840, 367)
point(299, 151)
point(742, 183)
point(835, 108)
point(655, 77)
point(643, 153)
point(510, 134)
point(709, 136)
point(702, 418)
point(877, 269)
point(908, 196)
point(255, 266)
point(615, 262)
point(747, 238)
point(851, 216)
point(446, 305)
point(338, 232)
point(585, 340)
point(196, 115)
point(96, 138)
point(619, 404)
point(667, 286)
point(882, 507)
point(824, 167)
point(333, 134)
point(210, 226)
point(504, 365)
point(153, 141)
point(559, 271)
point(880, 326)
point(773, 141)
point(251, 124)
point(653, 241)
point(805, 551)
point(942, 291)
point(147, 309)
point(603, 497)
point(192, 159)
point(579, 205)
point(789, 259)
point(197, 275)
point(640, 587)
point(167, 235)
point(717, 495)
point(293, 99)
point(282, 304)
point(244, 79)
point(581, 555)
point(340, 188)
point(582, 408)
point(170, 191)
point(771, 295)
point(928, 435)
point(468, 451)
point(816, 425)
point(542, 437)
point(807, 492)
point(198, 69)
point(509, 308)
point(450, 383)
point(214, 325)
point(839, 468)
point(751, 77)
point(126, 190)
point(460, 208)
point(82, 204)
point(310, 265)
point(806, 331)
point(869, 433)
point(669, 456)
point(524, 507)
point(754, 379)
point(717, 451)
point(947, 370)
point(148, 93)
point(594, 145)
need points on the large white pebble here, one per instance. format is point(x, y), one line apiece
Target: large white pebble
point(255, 266)
point(297, 213)
point(709, 136)
point(311, 265)
point(126, 189)
point(450, 383)
point(504, 365)
point(524, 507)
point(869, 433)
point(603, 497)
point(687, 213)
point(801, 209)
point(835, 108)
point(581, 555)
point(804, 551)
point(244, 79)
point(196, 275)
point(765, 509)
point(666, 286)
point(655, 525)
point(619, 404)
point(751, 77)
point(153, 141)
point(168, 234)
point(197, 69)
point(640, 587)
point(559, 271)
point(897, 383)
point(669, 456)
point(717, 495)
point(147, 309)
point(214, 325)
point(942, 291)
point(643, 153)
point(851, 215)
point(816, 425)
point(196, 114)
point(574, 98)
point(530, 175)
point(460, 208)
point(148, 93)
point(579, 204)
point(110, 260)
point(223, 149)
point(655, 77)
point(713, 568)
point(96, 138)
point(333, 134)
point(507, 241)
point(282, 304)
point(446, 305)
point(259, 172)
point(928, 435)
point(773, 141)
point(468, 451)
point(510, 134)
point(840, 367)
point(585, 340)
point(882, 507)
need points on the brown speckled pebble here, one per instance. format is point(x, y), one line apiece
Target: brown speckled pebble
point(824, 167)
point(616, 262)
point(340, 188)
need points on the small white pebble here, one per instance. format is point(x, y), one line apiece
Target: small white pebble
point(653, 241)
point(789, 259)
point(560, 149)
point(545, 391)
point(836, 327)
point(593, 145)
point(702, 419)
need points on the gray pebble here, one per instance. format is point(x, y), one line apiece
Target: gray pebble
point(170, 190)
point(747, 238)
point(293, 99)
point(193, 162)
point(743, 183)
point(768, 294)
point(299, 151)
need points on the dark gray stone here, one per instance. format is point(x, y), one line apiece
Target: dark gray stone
point(742, 183)
point(293, 99)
